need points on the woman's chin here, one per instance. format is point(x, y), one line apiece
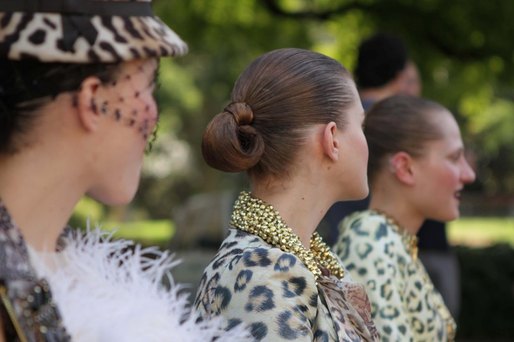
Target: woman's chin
point(359, 194)
point(118, 198)
point(446, 217)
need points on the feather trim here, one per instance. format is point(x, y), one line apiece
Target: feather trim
point(111, 290)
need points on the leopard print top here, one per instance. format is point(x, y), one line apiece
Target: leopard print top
point(405, 305)
point(275, 294)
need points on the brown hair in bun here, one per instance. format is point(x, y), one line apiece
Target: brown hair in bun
point(230, 143)
point(274, 100)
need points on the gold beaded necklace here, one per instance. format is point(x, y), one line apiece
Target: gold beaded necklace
point(410, 241)
point(259, 218)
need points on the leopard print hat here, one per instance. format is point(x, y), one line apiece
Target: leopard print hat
point(84, 31)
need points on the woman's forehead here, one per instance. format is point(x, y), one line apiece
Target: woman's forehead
point(450, 137)
point(140, 65)
point(446, 123)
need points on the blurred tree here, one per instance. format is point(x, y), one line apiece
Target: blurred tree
point(223, 36)
point(465, 54)
point(464, 51)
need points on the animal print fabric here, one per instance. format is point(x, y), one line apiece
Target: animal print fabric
point(29, 296)
point(405, 305)
point(278, 298)
point(50, 37)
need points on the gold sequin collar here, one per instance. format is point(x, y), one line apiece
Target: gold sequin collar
point(259, 218)
point(409, 240)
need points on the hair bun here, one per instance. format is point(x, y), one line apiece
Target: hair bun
point(241, 112)
point(230, 143)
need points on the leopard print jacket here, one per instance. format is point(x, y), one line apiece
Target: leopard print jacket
point(405, 305)
point(273, 293)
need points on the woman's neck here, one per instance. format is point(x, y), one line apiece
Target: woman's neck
point(398, 208)
point(40, 196)
point(301, 207)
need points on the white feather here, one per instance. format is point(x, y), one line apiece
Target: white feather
point(111, 290)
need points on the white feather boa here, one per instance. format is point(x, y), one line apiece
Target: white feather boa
point(111, 290)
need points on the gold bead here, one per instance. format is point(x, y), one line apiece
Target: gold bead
point(256, 217)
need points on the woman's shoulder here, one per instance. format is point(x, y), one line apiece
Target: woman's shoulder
point(367, 235)
point(244, 253)
point(253, 282)
point(366, 224)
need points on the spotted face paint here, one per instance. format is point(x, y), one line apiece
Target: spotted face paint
point(128, 113)
point(133, 104)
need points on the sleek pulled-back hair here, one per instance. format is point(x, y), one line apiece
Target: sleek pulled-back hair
point(277, 97)
point(26, 86)
point(400, 124)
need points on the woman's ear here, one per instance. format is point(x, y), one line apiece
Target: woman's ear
point(330, 143)
point(401, 166)
point(86, 103)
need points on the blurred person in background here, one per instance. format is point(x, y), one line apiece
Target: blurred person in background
point(417, 170)
point(384, 69)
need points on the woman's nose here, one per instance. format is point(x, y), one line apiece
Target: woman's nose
point(468, 174)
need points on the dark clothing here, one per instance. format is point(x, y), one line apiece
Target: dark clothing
point(335, 216)
point(432, 236)
point(26, 299)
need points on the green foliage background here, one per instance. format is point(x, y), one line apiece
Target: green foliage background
point(464, 50)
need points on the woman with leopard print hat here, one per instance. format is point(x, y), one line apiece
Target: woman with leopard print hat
point(294, 125)
point(416, 170)
point(76, 114)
